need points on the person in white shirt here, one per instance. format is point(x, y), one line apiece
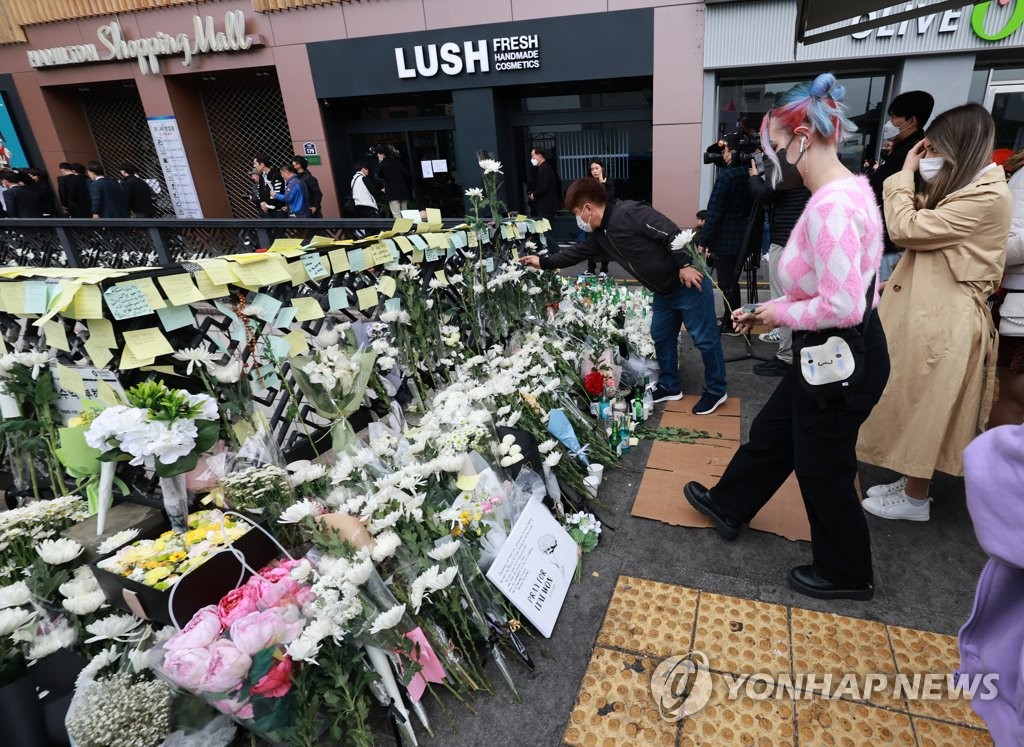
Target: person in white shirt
point(364, 203)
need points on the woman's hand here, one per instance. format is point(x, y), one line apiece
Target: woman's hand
point(914, 157)
point(766, 315)
point(742, 322)
point(530, 260)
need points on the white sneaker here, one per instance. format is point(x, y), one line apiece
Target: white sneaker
point(897, 506)
point(772, 336)
point(893, 487)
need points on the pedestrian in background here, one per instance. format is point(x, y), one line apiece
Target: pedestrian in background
point(393, 180)
point(544, 195)
point(138, 193)
point(40, 184)
point(107, 199)
point(935, 311)
point(316, 196)
point(73, 190)
point(20, 201)
point(596, 168)
point(294, 197)
point(271, 183)
point(364, 204)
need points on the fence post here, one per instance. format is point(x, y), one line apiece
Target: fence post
point(69, 246)
point(157, 237)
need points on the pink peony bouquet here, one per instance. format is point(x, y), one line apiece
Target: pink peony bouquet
point(233, 653)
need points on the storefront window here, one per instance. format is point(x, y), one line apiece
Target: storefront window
point(742, 105)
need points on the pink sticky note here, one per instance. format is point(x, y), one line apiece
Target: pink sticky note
point(431, 670)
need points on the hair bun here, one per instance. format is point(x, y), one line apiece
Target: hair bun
point(826, 85)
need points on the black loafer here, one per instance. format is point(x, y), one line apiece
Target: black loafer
point(806, 580)
point(700, 498)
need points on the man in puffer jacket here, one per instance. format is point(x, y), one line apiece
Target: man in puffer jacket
point(992, 640)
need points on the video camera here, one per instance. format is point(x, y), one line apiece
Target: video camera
point(743, 145)
point(391, 151)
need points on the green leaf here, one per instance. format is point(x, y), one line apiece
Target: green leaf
point(186, 464)
point(209, 431)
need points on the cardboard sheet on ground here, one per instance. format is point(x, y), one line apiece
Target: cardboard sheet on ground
point(671, 465)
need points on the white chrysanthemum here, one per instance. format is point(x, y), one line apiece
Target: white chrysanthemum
point(15, 618)
point(59, 551)
point(475, 191)
point(97, 664)
point(301, 571)
point(429, 581)
point(552, 459)
point(327, 338)
point(359, 573)
point(299, 511)
point(490, 166)
point(303, 471)
point(445, 551)
point(547, 446)
point(115, 541)
point(229, 373)
point(387, 620)
point(112, 628)
point(60, 637)
point(85, 604)
point(14, 595)
point(385, 545)
point(192, 356)
point(682, 238)
point(303, 649)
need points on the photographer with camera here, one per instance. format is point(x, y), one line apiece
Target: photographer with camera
point(721, 239)
point(781, 190)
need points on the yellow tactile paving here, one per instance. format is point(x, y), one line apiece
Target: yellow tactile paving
point(740, 635)
point(649, 617)
point(743, 721)
point(832, 644)
point(614, 706)
point(940, 734)
point(919, 652)
point(824, 723)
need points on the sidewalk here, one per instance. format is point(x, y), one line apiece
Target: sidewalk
point(925, 576)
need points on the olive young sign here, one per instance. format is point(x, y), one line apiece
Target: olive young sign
point(480, 56)
point(990, 21)
point(147, 50)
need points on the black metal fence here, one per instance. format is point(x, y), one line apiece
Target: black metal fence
point(125, 243)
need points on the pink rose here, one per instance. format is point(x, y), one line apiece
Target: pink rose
point(259, 630)
point(276, 682)
point(202, 630)
point(232, 707)
point(237, 604)
point(277, 588)
point(187, 666)
point(227, 667)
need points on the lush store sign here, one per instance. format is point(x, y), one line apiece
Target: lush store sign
point(112, 45)
point(989, 21)
point(480, 56)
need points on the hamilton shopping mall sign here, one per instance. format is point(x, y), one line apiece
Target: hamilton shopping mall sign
point(147, 51)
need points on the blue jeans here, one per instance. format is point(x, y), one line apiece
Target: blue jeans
point(888, 265)
point(697, 310)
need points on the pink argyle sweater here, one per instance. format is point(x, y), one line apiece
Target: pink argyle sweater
point(827, 265)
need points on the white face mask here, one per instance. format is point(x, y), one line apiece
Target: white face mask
point(533, 161)
point(890, 131)
point(929, 167)
point(583, 225)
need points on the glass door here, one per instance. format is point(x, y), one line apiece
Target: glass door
point(1006, 102)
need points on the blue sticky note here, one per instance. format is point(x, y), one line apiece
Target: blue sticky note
point(314, 266)
point(489, 264)
point(226, 310)
point(431, 254)
point(357, 260)
point(393, 304)
point(126, 301)
point(485, 237)
point(418, 241)
point(264, 306)
point(279, 347)
point(395, 254)
point(35, 297)
point(286, 317)
point(458, 239)
point(337, 298)
point(175, 317)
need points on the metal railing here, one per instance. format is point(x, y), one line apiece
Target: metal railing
point(138, 242)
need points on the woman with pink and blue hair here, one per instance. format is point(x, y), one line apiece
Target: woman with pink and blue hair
point(826, 271)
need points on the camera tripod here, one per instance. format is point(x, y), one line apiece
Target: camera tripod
point(747, 269)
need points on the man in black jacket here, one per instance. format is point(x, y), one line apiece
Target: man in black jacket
point(545, 187)
point(393, 178)
point(316, 197)
point(271, 183)
point(785, 197)
point(640, 238)
point(908, 114)
point(73, 190)
point(106, 196)
point(21, 201)
point(137, 192)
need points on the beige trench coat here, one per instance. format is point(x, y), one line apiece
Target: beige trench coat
point(942, 343)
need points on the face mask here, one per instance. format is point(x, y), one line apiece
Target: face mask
point(890, 131)
point(929, 167)
point(533, 161)
point(582, 224)
point(789, 176)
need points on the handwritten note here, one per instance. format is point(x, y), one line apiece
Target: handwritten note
point(337, 298)
point(148, 288)
point(127, 301)
point(218, 270)
point(88, 303)
point(387, 286)
point(367, 298)
point(380, 254)
point(256, 274)
point(314, 266)
point(71, 379)
point(180, 289)
point(208, 288)
point(175, 317)
point(56, 335)
point(98, 353)
point(287, 247)
point(307, 308)
point(339, 260)
point(101, 332)
point(297, 342)
point(129, 360)
point(147, 343)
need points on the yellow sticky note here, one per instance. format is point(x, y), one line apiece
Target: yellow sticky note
point(434, 217)
point(387, 286)
point(297, 342)
point(101, 332)
point(471, 239)
point(307, 308)
point(319, 241)
point(56, 335)
point(99, 354)
point(148, 288)
point(218, 270)
point(63, 299)
point(436, 241)
point(246, 257)
point(287, 247)
point(208, 288)
point(88, 303)
point(71, 380)
point(402, 225)
point(339, 260)
point(467, 482)
point(147, 343)
point(129, 360)
point(367, 298)
point(404, 245)
point(380, 254)
point(180, 289)
point(106, 394)
point(269, 271)
point(297, 274)
point(441, 277)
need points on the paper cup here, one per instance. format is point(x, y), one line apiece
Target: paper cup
point(592, 484)
point(596, 470)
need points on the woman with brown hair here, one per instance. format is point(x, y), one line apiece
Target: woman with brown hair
point(942, 341)
point(1008, 313)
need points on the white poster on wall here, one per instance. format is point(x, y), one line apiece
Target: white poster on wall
point(174, 162)
point(535, 566)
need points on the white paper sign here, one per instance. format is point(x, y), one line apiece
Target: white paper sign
point(535, 566)
point(427, 169)
point(174, 162)
point(440, 166)
point(69, 404)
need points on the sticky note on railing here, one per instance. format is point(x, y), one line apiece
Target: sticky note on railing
point(314, 266)
point(210, 289)
point(180, 289)
point(98, 353)
point(148, 288)
point(175, 317)
point(387, 286)
point(101, 332)
point(306, 309)
point(126, 301)
point(56, 335)
point(71, 380)
point(339, 260)
point(337, 298)
point(147, 343)
point(357, 260)
point(297, 342)
point(367, 298)
point(88, 303)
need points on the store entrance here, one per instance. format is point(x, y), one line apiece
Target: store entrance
point(1006, 102)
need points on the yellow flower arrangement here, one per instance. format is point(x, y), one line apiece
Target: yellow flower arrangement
point(161, 562)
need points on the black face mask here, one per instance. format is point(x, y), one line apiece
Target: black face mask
point(789, 176)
